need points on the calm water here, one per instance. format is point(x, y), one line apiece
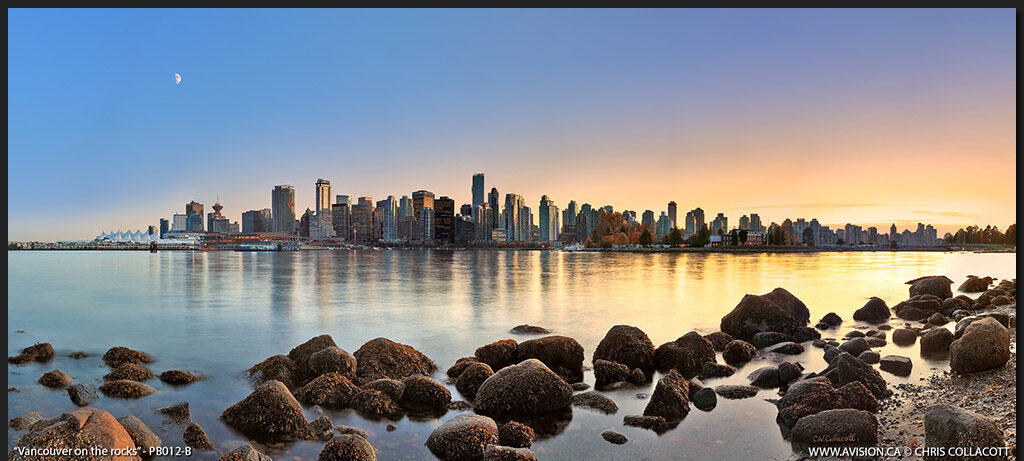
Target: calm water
point(218, 313)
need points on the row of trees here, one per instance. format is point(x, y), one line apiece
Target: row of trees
point(990, 235)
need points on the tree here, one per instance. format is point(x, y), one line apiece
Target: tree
point(646, 239)
point(1011, 235)
point(743, 236)
point(808, 237)
point(701, 237)
point(674, 238)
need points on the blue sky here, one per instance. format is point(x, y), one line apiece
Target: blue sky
point(722, 109)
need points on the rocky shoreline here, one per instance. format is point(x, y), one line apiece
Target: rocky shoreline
point(515, 390)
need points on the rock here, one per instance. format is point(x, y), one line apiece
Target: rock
point(789, 371)
point(855, 395)
point(904, 337)
point(769, 338)
point(503, 453)
point(654, 423)
point(89, 429)
point(132, 371)
point(580, 386)
point(459, 405)
point(515, 434)
point(912, 314)
point(115, 356)
point(500, 354)
point(855, 346)
point(41, 352)
point(270, 412)
point(764, 377)
point(331, 359)
point(845, 426)
point(529, 330)
point(125, 389)
point(145, 440)
point(82, 394)
point(178, 377)
point(736, 391)
point(195, 437)
point(806, 397)
point(332, 391)
point(528, 388)
point(802, 334)
point(55, 378)
point(177, 413)
point(320, 429)
point(460, 366)
point(25, 421)
point(896, 364)
point(383, 358)
point(717, 370)
point(832, 319)
point(1001, 300)
point(343, 429)
point(274, 368)
point(739, 352)
point(687, 354)
point(595, 400)
point(718, 340)
point(831, 353)
point(348, 447)
point(606, 373)
point(670, 398)
point(561, 354)
point(936, 342)
point(874, 311)
point(870, 357)
point(422, 392)
point(245, 453)
point(375, 403)
point(975, 284)
point(936, 285)
point(948, 426)
point(614, 437)
point(705, 399)
point(786, 348)
point(938, 319)
point(845, 369)
point(463, 437)
point(874, 341)
point(985, 344)
point(470, 380)
point(629, 346)
point(301, 354)
point(855, 334)
point(78, 355)
point(778, 311)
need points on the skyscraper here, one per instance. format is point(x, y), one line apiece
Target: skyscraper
point(547, 213)
point(362, 220)
point(492, 203)
point(194, 213)
point(513, 219)
point(216, 222)
point(256, 221)
point(426, 222)
point(421, 199)
point(323, 196)
point(444, 219)
point(194, 207)
point(478, 189)
point(647, 219)
point(569, 222)
point(664, 226)
point(283, 208)
point(341, 219)
point(672, 213)
point(165, 227)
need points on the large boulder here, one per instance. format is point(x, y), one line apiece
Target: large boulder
point(85, 429)
point(561, 354)
point(471, 378)
point(855, 346)
point(807, 397)
point(627, 345)
point(132, 371)
point(195, 437)
point(41, 352)
point(178, 377)
point(423, 393)
point(331, 359)
point(274, 368)
point(670, 398)
point(948, 426)
point(383, 358)
point(606, 372)
point(717, 370)
point(464, 437)
point(841, 427)
point(115, 356)
point(516, 434)
point(528, 388)
point(145, 440)
point(936, 342)
point(499, 354)
point(347, 447)
point(245, 453)
point(975, 284)
point(376, 403)
point(765, 377)
point(904, 336)
point(687, 354)
point(595, 400)
point(739, 352)
point(303, 352)
point(718, 340)
point(125, 389)
point(845, 369)
point(896, 364)
point(331, 390)
point(778, 311)
point(874, 311)
point(936, 285)
point(985, 344)
point(269, 413)
point(769, 338)
point(55, 378)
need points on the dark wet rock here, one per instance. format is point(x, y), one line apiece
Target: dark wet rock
point(786, 348)
point(984, 345)
point(904, 337)
point(637, 376)
point(936, 285)
point(654, 423)
point(383, 358)
point(82, 394)
point(465, 436)
point(423, 392)
point(765, 377)
point(912, 314)
point(736, 391)
point(178, 377)
point(580, 386)
point(499, 354)
point(938, 319)
point(831, 353)
point(874, 311)
point(718, 340)
point(459, 405)
point(332, 391)
point(13, 389)
point(245, 453)
point(949, 426)
point(274, 368)
point(563, 355)
point(78, 355)
point(320, 429)
point(705, 399)
point(302, 353)
point(789, 371)
point(55, 378)
point(854, 346)
point(936, 342)
point(132, 371)
point(739, 352)
point(717, 370)
point(606, 372)
point(343, 429)
point(819, 343)
point(347, 447)
point(375, 403)
point(803, 334)
point(778, 311)
point(115, 356)
point(270, 412)
point(1001, 300)
point(25, 421)
point(896, 364)
point(195, 437)
point(832, 319)
point(177, 413)
point(874, 341)
point(845, 369)
point(528, 388)
point(503, 453)
point(870, 357)
point(687, 354)
point(393, 388)
point(331, 359)
point(614, 437)
point(806, 397)
point(855, 395)
point(145, 440)
point(670, 398)
point(460, 365)
point(529, 330)
point(125, 389)
point(87, 429)
point(769, 338)
point(41, 353)
point(515, 434)
point(975, 284)
point(693, 385)
point(855, 334)
point(629, 346)
point(845, 426)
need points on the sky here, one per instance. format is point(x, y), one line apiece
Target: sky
point(863, 116)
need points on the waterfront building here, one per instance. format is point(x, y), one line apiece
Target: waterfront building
point(408, 228)
point(478, 190)
point(323, 196)
point(341, 219)
point(548, 215)
point(304, 222)
point(466, 210)
point(755, 223)
point(194, 207)
point(512, 215)
point(720, 225)
point(257, 221)
point(405, 208)
point(194, 223)
point(420, 200)
point(482, 223)
point(744, 223)
point(444, 220)
point(389, 222)
point(216, 222)
point(499, 235)
point(233, 227)
point(165, 227)
point(465, 230)
point(569, 222)
point(853, 234)
point(179, 222)
point(492, 203)
point(343, 200)
point(321, 226)
point(362, 220)
point(283, 209)
point(695, 215)
point(893, 234)
point(426, 221)
point(647, 219)
point(672, 213)
point(524, 229)
point(664, 226)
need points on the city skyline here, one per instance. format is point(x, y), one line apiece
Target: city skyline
point(785, 114)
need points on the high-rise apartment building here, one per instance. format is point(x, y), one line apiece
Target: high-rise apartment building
point(362, 220)
point(257, 221)
point(421, 199)
point(444, 220)
point(672, 213)
point(478, 189)
point(283, 209)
